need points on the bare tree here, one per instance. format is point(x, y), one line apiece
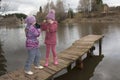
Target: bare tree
point(60, 11)
point(83, 5)
point(3, 7)
point(96, 4)
point(52, 5)
point(6, 6)
point(0, 4)
point(46, 8)
point(99, 2)
point(59, 8)
point(40, 9)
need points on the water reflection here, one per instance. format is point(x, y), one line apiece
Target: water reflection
point(86, 73)
point(67, 34)
point(14, 47)
point(2, 61)
point(95, 28)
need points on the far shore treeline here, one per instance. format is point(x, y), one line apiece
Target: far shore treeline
point(85, 9)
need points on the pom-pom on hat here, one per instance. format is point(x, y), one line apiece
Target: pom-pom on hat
point(51, 14)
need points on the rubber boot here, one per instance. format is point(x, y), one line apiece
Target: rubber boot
point(46, 63)
point(55, 60)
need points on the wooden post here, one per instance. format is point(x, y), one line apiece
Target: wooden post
point(69, 68)
point(90, 52)
point(51, 78)
point(79, 63)
point(100, 47)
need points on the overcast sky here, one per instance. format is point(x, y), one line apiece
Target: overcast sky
point(31, 6)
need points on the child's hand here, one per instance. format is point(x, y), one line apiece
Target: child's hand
point(33, 23)
point(44, 21)
point(47, 30)
point(39, 30)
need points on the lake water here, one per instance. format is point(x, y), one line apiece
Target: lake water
point(14, 53)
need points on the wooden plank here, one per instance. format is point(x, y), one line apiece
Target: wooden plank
point(55, 68)
point(83, 43)
point(69, 57)
point(49, 71)
point(18, 74)
point(41, 75)
point(81, 47)
point(78, 50)
point(75, 52)
point(94, 37)
point(63, 62)
point(5, 77)
point(91, 38)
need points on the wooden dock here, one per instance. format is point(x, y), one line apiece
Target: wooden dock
point(65, 58)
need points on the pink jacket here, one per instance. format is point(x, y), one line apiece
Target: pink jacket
point(31, 37)
point(50, 37)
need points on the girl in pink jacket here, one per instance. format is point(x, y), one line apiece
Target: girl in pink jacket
point(50, 26)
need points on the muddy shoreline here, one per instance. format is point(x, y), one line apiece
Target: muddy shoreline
point(101, 18)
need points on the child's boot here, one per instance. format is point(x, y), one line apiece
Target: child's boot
point(46, 62)
point(55, 60)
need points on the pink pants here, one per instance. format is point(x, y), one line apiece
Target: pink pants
point(53, 48)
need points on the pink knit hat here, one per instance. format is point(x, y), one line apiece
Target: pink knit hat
point(51, 14)
point(30, 19)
